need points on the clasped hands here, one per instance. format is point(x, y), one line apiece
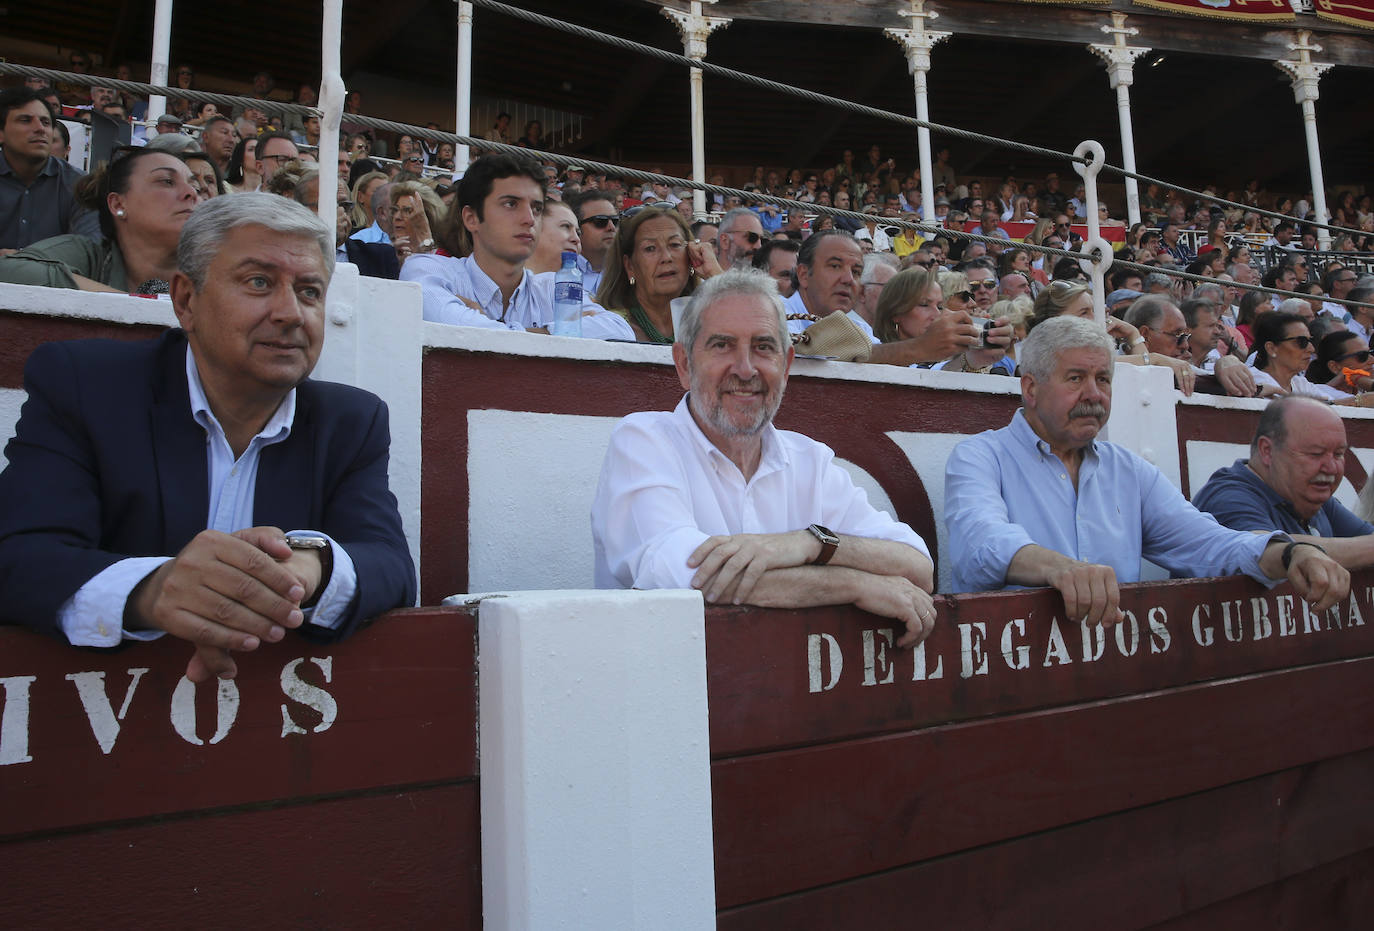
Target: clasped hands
point(226, 592)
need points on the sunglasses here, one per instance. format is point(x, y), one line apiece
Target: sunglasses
point(751, 237)
point(1304, 342)
point(1362, 356)
point(602, 220)
point(982, 286)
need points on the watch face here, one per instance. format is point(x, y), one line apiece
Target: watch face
point(307, 543)
point(824, 534)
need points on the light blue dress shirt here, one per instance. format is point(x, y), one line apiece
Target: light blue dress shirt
point(1005, 489)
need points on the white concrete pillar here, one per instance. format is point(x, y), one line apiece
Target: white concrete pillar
point(694, 29)
point(917, 43)
point(331, 105)
point(162, 47)
point(596, 769)
point(1120, 61)
point(1305, 74)
point(464, 115)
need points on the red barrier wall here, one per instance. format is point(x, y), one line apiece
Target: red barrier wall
point(1020, 772)
point(326, 786)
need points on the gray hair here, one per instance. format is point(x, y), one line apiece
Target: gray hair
point(1294, 305)
point(1148, 311)
point(1157, 280)
point(1039, 352)
point(175, 143)
point(744, 282)
point(1212, 292)
point(727, 222)
point(204, 232)
point(873, 260)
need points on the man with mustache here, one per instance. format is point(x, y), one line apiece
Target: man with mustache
point(711, 496)
point(1043, 502)
point(200, 484)
point(1297, 460)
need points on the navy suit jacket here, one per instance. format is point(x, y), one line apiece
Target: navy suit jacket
point(108, 462)
point(374, 259)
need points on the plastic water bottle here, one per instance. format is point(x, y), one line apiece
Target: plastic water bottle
point(567, 298)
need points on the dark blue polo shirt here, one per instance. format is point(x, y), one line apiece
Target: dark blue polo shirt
point(1239, 499)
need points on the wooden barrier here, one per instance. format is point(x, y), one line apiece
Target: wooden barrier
point(1019, 771)
point(328, 785)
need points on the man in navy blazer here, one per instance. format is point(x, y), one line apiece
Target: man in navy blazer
point(149, 483)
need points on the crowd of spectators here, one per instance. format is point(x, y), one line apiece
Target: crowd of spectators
point(943, 301)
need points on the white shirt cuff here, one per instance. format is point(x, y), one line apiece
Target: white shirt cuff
point(94, 616)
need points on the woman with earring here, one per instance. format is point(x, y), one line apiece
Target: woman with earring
point(143, 197)
point(652, 261)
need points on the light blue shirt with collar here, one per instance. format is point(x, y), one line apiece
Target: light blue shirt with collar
point(373, 233)
point(94, 615)
point(1005, 489)
point(444, 280)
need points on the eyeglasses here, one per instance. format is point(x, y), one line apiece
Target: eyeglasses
point(346, 204)
point(1179, 338)
point(751, 237)
point(982, 286)
point(1304, 342)
point(602, 220)
point(276, 158)
point(1362, 356)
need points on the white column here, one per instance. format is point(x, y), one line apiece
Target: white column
point(1120, 61)
point(596, 764)
point(917, 43)
point(464, 121)
point(695, 28)
point(1305, 73)
point(331, 107)
point(162, 45)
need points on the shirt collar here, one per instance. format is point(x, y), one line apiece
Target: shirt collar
point(277, 428)
point(773, 458)
point(486, 292)
point(1243, 471)
point(49, 168)
point(1025, 435)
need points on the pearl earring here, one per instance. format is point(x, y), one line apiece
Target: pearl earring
point(119, 213)
point(632, 281)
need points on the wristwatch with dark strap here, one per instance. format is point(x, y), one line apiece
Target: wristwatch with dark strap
point(829, 543)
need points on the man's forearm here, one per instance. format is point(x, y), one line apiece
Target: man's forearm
point(808, 587)
point(1350, 552)
point(885, 557)
point(903, 352)
point(1033, 565)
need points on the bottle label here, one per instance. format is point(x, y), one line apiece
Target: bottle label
point(567, 291)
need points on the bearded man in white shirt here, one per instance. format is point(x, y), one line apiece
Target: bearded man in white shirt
point(711, 496)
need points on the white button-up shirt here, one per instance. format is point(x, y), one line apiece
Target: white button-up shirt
point(444, 280)
point(665, 488)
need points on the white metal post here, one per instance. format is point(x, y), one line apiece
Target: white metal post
point(917, 43)
point(1305, 74)
point(695, 28)
point(1120, 61)
point(162, 49)
point(464, 122)
point(331, 108)
point(1094, 243)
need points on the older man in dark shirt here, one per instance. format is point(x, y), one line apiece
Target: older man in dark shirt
point(36, 199)
point(1297, 460)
